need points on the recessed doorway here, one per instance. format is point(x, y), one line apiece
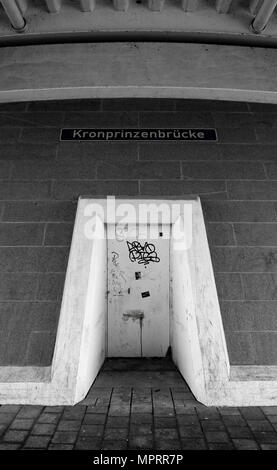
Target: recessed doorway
point(138, 292)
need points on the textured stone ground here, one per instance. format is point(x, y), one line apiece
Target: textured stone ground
point(138, 404)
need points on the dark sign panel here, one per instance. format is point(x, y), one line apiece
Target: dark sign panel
point(181, 134)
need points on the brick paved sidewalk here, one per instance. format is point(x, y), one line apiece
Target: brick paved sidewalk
point(153, 410)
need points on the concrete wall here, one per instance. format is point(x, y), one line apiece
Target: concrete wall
point(41, 179)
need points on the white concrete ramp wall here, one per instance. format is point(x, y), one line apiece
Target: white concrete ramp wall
point(198, 339)
point(93, 342)
point(186, 352)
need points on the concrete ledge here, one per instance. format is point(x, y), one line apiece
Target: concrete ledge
point(253, 373)
point(25, 374)
point(154, 70)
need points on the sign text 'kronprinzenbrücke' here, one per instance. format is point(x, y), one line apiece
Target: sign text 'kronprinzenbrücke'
point(175, 134)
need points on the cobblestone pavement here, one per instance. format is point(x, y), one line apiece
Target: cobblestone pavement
point(138, 405)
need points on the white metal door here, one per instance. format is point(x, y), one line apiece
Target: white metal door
point(138, 293)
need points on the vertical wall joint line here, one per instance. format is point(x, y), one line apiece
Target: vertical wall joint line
point(190, 5)
point(156, 5)
point(121, 5)
point(87, 5)
point(53, 6)
point(223, 6)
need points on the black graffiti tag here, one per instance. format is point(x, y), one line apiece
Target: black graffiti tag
point(143, 254)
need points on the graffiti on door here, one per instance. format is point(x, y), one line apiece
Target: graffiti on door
point(143, 254)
